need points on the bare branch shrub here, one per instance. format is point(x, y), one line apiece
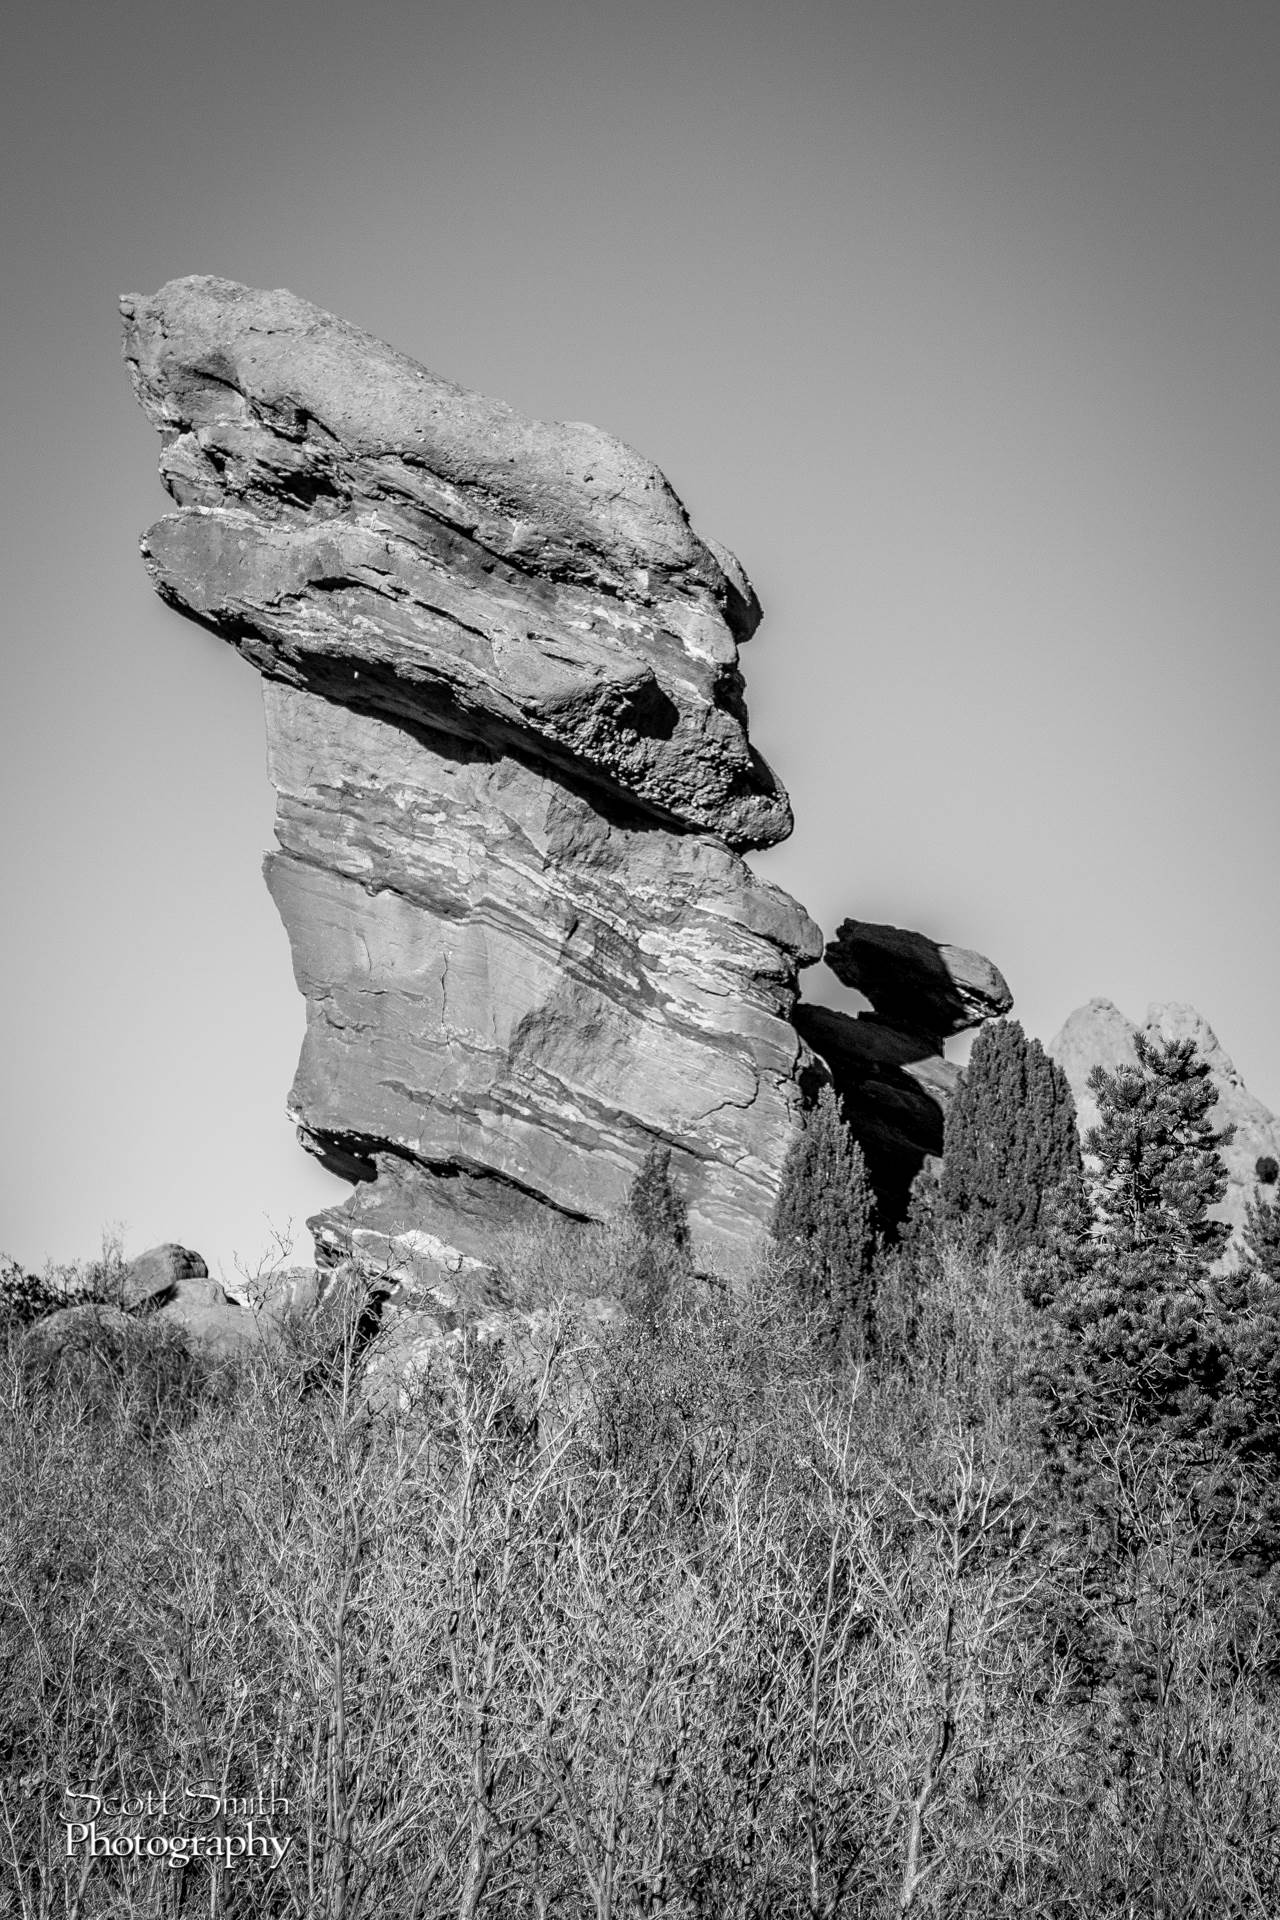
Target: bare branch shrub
point(693, 1622)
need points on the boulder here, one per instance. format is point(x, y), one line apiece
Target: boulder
point(152, 1277)
point(174, 1284)
point(83, 1340)
point(915, 983)
point(209, 1316)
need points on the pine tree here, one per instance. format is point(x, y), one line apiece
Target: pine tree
point(1246, 1424)
point(659, 1214)
point(1011, 1150)
point(1136, 1339)
point(1160, 1165)
point(822, 1222)
point(655, 1204)
point(918, 1234)
point(1262, 1235)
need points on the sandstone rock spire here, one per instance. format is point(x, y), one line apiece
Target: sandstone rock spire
point(507, 734)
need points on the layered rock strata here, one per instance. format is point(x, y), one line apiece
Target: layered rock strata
point(1099, 1035)
point(508, 737)
point(503, 982)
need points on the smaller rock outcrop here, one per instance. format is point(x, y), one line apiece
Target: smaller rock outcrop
point(1100, 1035)
point(208, 1315)
point(154, 1277)
point(413, 1364)
point(895, 1089)
point(888, 1066)
point(173, 1283)
point(915, 983)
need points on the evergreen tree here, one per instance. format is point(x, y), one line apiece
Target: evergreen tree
point(822, 1222)
point(1262, 1236)
point(1160, 1166)
point(656, 1205)
point(1136, 1337)
point(918, 1234)
point(1246, 1423)
point(659, 1213)
point(1011, 1150)
point(1247, 1420)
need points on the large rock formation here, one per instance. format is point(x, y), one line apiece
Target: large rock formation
point(1099, 1035)
point(507, 732)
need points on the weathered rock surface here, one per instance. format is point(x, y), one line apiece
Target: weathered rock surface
point(1098, 1034)
point(506, 728)
point(913, 982)
point(504, 982)
point(208, 1315)
point(356, 525)
point(153, 1277)
point(421, 1228)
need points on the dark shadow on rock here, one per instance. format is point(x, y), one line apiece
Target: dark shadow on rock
point(917, 984)
point(894, 1086)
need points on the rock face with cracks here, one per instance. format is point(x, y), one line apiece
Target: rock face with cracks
point(508, 737)
point(502, 981)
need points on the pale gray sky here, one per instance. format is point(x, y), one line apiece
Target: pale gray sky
point(957, 322)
